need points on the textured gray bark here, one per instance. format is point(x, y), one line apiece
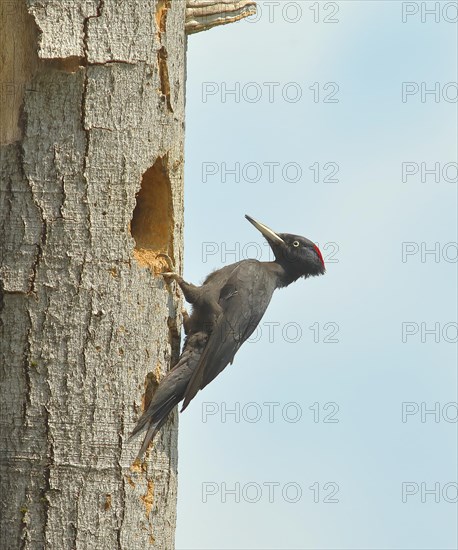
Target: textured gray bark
point(84, 315)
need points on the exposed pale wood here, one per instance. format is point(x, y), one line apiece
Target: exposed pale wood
point(202, 15)
point(18, 61)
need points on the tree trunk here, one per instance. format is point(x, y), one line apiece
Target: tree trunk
point(93, 114)
point(91, 193)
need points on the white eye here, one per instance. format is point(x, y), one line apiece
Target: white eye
point(296, 244)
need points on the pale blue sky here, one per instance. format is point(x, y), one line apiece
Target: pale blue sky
point(367, 293)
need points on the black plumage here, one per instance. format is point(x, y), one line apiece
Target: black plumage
point(226, 310)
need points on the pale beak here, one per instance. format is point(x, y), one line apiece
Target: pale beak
point(266, 231)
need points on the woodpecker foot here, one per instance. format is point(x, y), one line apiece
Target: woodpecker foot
point(169, 261)
point(185, 315)
point(186, 321)
point(171, 275)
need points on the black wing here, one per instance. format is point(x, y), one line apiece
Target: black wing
point(244, 300)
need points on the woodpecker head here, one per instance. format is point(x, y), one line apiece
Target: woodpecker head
point(298, 256)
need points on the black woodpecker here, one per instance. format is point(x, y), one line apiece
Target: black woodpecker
point(226, 310)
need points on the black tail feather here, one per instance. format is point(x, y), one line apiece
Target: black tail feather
point(152, 421)
point(170, 391)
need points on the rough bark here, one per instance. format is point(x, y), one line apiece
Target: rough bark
point(90, 192)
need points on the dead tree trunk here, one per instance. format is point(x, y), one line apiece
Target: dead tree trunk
point(91, 190)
